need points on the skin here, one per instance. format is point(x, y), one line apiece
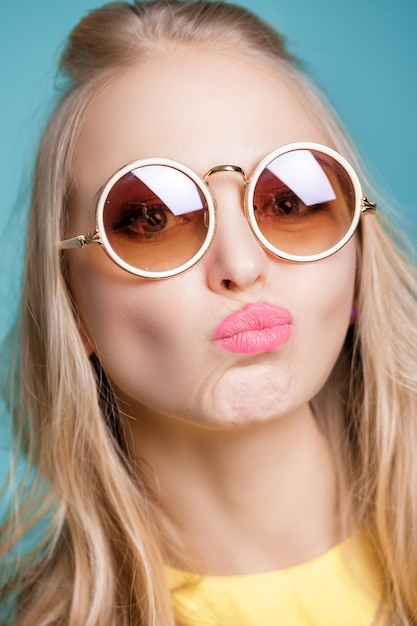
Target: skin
point(230, 436)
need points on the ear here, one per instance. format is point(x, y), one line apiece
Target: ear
point(88, 346)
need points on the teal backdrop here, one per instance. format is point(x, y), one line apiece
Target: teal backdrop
point(362, 52)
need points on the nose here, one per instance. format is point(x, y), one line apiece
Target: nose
point(236, 260)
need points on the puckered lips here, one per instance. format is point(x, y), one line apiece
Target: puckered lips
point(255, 328)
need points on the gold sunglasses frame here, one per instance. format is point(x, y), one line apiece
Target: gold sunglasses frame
point(362, 205)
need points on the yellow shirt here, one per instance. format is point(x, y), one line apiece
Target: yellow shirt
point(338, 588)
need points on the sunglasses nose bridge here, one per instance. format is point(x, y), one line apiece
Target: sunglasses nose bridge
point(230, 194)
point(226, 168)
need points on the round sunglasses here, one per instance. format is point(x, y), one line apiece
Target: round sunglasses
point(156, 217)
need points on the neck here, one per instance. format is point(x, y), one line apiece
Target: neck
point(248, 499)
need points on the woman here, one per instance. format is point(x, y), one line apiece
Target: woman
point(203, 380)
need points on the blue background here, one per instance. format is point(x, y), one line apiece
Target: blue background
point(362, 52)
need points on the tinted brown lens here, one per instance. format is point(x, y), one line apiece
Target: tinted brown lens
point(304, 202)
point(154, 218)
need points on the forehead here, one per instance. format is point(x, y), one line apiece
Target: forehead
point(196, 107)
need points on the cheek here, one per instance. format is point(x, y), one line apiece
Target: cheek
point(106, 303)
point(122, 315)
point(336, 286)
point(100, 291)
point(141, 333)
point(327, 293)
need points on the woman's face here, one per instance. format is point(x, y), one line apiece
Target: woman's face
point(157, 340)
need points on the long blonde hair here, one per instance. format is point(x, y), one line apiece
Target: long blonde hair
point(102, 562)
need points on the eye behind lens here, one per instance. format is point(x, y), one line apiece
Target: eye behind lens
point(156, 219)
point(304, 203)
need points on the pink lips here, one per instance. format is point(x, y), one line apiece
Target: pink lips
point(255, 328)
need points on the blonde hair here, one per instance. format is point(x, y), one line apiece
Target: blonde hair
point(102, 562)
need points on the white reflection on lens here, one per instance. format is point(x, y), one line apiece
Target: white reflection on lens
point(178, 192)
point(301, 173)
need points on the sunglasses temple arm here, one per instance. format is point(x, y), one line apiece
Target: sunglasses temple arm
point(80, 241)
